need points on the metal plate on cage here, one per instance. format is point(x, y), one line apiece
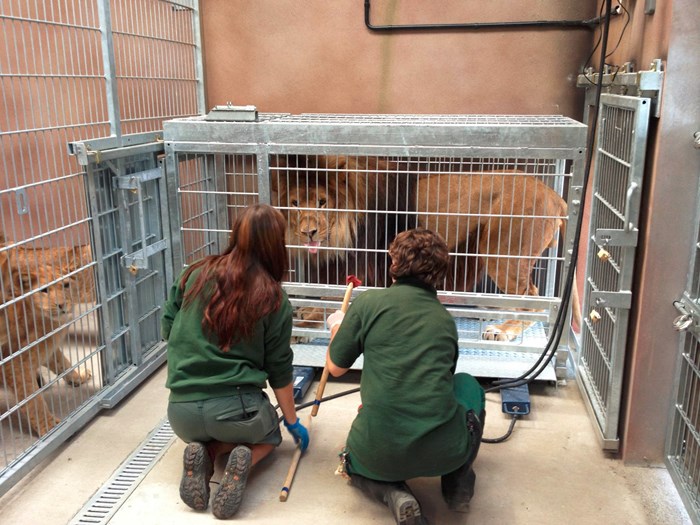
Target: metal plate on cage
point(479, 363)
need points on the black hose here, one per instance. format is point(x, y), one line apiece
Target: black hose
point(527, 24)
point(323, 399)
point(504, 436)
point(553, 342)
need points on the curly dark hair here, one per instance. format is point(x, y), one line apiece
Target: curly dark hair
point(421, 254)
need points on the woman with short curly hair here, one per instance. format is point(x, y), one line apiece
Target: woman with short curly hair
point(418, 418)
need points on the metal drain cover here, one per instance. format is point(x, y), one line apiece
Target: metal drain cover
point(106, 501)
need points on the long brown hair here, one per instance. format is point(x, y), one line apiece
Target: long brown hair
point(243, 284)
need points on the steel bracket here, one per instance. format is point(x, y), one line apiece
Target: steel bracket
point(607, 237)
point(621, 299)
point(626, 81)
point(134, 180)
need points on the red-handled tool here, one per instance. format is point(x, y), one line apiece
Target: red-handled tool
point(352, 282)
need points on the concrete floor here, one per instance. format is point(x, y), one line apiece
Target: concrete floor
point(550, 471)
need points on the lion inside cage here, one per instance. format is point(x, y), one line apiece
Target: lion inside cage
point(501, 218)
point(48, 332)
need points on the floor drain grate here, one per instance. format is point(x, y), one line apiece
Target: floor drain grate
point(106, 501)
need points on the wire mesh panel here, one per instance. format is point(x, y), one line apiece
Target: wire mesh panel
point(111, 71)
point(683, 439)
point(621, 145)
point(156, 62)
point(496, 188)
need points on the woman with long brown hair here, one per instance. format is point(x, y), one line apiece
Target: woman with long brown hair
point(228, 323)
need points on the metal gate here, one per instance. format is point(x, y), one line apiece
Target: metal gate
point(683, 439)
point(617, 185)
point(380, 174)
point(84, 256)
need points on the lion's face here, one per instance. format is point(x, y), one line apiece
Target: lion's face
point(43, 304)
point(53, 300)
point(318, 219)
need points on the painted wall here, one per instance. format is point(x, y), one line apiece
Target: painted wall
point(318, 56)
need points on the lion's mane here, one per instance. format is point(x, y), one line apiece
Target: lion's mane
point(342, 213)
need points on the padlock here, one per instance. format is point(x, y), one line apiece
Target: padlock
point(133, 269)
point(603, 254)
point(594, 316)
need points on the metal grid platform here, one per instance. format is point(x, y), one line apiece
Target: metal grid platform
point(479, 362)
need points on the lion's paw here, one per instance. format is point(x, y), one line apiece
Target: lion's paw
point(78, 376)
point(495, 333)
point(310, 317)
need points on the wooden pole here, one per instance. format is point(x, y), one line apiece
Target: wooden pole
point(284, 493)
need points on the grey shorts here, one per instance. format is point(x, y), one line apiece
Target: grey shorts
point(248, 417)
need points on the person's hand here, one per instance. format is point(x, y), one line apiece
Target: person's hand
point(335, 319)
point(299, 433)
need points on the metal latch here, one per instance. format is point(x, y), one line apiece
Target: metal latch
point(133, 182)
point(229, 112)
point(689, 317)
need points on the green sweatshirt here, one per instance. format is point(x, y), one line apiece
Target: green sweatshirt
point(410, 424)
point(198, 369)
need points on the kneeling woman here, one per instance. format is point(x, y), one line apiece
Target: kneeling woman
point(418, 418)
point(228, 323)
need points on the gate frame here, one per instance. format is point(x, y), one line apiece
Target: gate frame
point(605, 411)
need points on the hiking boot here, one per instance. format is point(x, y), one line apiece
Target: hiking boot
point(397, 496)
point(458, 488)
point(404, 506)
point(197, 471)
point(232, 485)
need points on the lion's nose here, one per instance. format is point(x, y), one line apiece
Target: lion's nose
point(310, 232)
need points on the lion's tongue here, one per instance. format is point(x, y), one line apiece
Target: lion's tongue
point(312, 246)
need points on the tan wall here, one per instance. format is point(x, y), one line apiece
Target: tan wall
point(318, 56)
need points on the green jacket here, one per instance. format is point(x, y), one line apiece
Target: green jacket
point(198, 369)
point(410, 424)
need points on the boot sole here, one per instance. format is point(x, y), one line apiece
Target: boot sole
point(409, 513)
point(232, 485)
point(197, 471)
point(406, 509)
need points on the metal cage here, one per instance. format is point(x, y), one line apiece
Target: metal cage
point(78, 327)
point(683, 437)
point(500, 189)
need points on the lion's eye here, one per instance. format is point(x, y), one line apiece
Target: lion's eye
point(295, 203)
point(44, 290)
point(66, 285)
point(321, 202)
